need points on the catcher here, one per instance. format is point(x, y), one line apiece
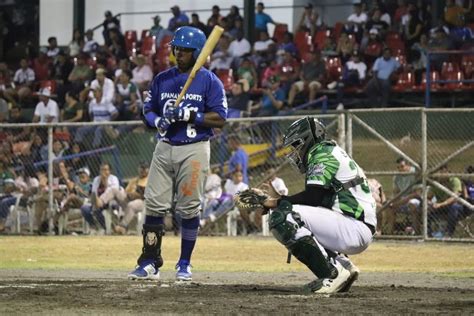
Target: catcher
point(333, 216)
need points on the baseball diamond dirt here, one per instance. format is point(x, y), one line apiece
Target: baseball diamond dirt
point(95, 292)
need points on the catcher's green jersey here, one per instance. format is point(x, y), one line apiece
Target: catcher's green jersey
point(330, 166)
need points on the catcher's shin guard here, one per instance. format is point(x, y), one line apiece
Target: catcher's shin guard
point(152, 235)
point(304, 249)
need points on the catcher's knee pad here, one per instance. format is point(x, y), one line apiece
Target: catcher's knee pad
point(283, 230)
point(305, 248)
point(152, 235)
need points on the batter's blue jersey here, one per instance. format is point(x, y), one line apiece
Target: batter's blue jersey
point(205, 94)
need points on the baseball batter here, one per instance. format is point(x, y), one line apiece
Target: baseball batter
point(334, 215)
point(181, 158)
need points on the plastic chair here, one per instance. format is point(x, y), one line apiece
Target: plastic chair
point(406, 81)
point(50, 84)
point(17, 209)
point(227, 78)
point(130, 40)
point(148, 46)
point(279, 32)
point(334, 68)
point(303, 42)
point(454, 75)
point(337, 30)
point(320, 38)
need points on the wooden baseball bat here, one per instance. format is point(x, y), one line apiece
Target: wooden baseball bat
point(201, 60)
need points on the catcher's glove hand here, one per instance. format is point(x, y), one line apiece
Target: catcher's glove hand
point(251, 199)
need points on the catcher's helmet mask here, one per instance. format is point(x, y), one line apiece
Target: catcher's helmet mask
point(300, 137)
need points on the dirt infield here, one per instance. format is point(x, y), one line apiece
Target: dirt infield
point(96, 292)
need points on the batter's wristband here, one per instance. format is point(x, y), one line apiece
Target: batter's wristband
point(196, 118)
point(151, 118)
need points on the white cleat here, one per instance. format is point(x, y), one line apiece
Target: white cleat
point(353, 270)
point(330, 286)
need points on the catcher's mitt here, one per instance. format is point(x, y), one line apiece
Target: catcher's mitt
point(251, 199)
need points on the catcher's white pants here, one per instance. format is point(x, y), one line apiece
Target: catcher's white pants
point(333, 231)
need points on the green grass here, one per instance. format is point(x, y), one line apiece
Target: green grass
point(224, 254)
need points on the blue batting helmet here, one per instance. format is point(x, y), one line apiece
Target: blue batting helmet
point(189, 37)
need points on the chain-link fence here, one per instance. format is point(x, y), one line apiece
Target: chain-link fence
point(47, 172)
point(419, 161)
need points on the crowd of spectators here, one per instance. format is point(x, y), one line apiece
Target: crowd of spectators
point(370, 53)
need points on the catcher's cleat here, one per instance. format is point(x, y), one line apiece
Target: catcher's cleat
point(353, 270)
point(145, 270)
point(328, 285)
point(183, 272)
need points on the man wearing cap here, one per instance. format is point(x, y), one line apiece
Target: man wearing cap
point(158, 31)
point(46, 110)
point(309, 19)
point(106, 84)
point(109, 23)
point(179, 19)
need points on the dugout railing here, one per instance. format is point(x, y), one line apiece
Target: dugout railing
point(426, 138)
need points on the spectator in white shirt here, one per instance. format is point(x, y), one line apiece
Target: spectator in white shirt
point(90, 45)
point(264, 42)
point(277, 183)
point(142, 73)
point(23, 79)
point(356, 21)
point(107, 86)
point(240, 46)
point(53, 49)
point(101, 110)
point(46, 110)
point(91, 212)
point(25, 75)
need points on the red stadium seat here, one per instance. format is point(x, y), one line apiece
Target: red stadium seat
point(227, 78)
point(449, 67)
point(337, 30)
point(130, 40)
point(165, 42)
point(145, 33)
point(320, 38)
point(279, 33)
point(397, 46)
point(434, 76)
point(373, 50)
point(50, 84)
point(406, 81)
point(303, 42)
point(467, 63)
point(148, 46)
point(402, 59)
point(453, 75)
point(393, 36)
point(334, 68)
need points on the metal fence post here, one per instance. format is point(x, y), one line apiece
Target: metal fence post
point(341, 130)
point(50, 180)
point(349, 134)
point(424, 171)
point(428, 81)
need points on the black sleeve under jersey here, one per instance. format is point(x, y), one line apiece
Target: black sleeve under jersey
point(312, 195)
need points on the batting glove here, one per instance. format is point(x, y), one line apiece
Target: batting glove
point(162, 124)
point(178, 114)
